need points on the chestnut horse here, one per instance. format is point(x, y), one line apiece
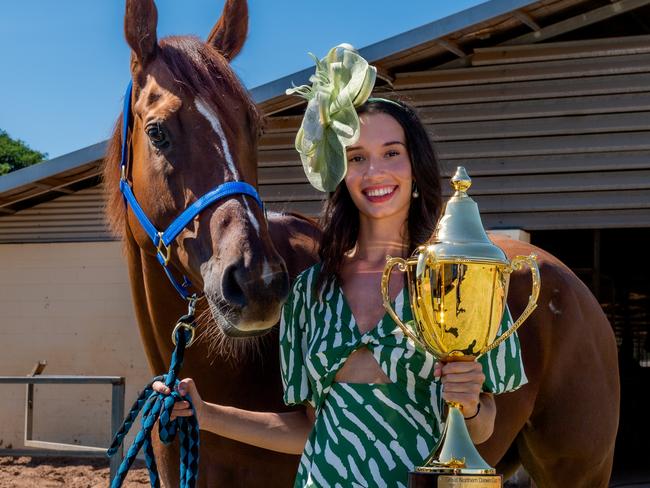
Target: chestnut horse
point(194, 128)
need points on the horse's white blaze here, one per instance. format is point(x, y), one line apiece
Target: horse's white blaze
point(251, 217)
point(209, 114)
point(211, 117)
point(267, 274)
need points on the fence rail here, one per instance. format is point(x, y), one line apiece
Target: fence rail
point(40, 448)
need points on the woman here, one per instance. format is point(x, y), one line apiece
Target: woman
point(373, 400)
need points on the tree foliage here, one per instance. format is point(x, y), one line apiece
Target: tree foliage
point(15, 154)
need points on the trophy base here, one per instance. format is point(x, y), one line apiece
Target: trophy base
point(446, 479)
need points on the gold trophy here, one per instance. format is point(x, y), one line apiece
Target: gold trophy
point(458, 286)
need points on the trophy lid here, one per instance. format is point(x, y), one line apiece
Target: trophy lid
point(460, 233)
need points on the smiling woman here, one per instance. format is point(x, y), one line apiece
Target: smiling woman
point(373, 400)
point(395, 137)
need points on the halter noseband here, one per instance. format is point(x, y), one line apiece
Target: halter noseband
point(163, 240)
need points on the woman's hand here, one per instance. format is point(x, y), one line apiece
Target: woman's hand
point(462, 383)
point(283, 432)
point(183, 409)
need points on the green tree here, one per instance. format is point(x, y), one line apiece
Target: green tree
point(15, 154)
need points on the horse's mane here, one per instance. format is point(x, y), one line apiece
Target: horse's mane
point(200, 70)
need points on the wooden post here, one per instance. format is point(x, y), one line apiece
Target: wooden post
point(117, 414)
point(29, 401)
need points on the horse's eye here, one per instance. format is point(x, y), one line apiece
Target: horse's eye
point(157, 135)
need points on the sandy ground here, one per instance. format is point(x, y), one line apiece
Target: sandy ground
point(41, 472)
point(51, 472)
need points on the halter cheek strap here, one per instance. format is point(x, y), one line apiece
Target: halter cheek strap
point(162, 240)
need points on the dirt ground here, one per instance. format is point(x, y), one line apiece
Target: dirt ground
point(41, 472)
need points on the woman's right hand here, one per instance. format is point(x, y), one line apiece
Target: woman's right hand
point(183, 409)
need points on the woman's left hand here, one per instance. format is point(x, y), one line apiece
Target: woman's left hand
point(462, 383)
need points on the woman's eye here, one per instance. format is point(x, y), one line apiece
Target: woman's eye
point(355, 159)
point(392, 153)
point(157, 135)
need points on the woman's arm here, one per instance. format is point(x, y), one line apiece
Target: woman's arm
point(285, 432)
point(462, 383)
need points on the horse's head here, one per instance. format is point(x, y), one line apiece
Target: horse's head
point(194, 127)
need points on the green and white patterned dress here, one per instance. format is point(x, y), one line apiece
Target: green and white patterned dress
point(367, 435)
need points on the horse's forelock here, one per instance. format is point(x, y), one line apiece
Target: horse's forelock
point(205, 73)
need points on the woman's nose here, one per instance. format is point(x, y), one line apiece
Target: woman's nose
point(374, 167)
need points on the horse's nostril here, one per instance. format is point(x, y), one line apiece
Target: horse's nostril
point(231, 287)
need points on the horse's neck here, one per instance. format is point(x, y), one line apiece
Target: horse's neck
point(155, 303)
point(296, 240)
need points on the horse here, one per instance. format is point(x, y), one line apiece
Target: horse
point(195, 127)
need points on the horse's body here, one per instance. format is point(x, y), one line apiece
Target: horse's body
point(562, 425)
point(202, 130)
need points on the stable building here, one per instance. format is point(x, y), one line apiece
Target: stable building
point(547, 105)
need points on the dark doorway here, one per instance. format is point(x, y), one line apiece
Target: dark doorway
point(615, 264)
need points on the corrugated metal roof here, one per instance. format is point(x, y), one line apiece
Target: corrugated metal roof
point(29, 186)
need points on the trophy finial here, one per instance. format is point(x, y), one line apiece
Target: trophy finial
point(461, 180)
point(460, 232)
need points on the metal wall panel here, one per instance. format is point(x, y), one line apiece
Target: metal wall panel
point(71, 218)
point(70, 305)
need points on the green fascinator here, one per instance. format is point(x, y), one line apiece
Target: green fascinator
point(342, 82)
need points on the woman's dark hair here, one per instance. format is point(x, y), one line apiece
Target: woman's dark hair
point(340, 220)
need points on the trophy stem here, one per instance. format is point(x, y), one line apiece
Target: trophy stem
point(458, 454)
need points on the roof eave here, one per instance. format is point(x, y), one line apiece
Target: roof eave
point(52, 167)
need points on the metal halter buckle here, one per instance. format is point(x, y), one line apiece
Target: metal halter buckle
point(163, 251)
point(191, 304)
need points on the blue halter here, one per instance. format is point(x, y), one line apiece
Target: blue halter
point(163, 240)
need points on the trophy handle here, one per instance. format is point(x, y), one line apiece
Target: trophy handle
point(516, 264)
point(385, 279)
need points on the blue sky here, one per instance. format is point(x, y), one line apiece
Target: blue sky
point(65, 63)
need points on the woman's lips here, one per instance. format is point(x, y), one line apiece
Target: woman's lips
point(379, 194)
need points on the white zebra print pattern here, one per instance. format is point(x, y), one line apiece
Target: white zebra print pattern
point(368, 435)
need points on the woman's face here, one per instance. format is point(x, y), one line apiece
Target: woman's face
point(379, 175)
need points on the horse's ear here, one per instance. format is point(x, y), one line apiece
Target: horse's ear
point(140, 22)
point(229, 33)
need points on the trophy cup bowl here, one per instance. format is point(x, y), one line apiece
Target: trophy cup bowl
point(458, 287)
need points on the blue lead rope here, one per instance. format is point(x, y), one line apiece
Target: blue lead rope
point(158, 406)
